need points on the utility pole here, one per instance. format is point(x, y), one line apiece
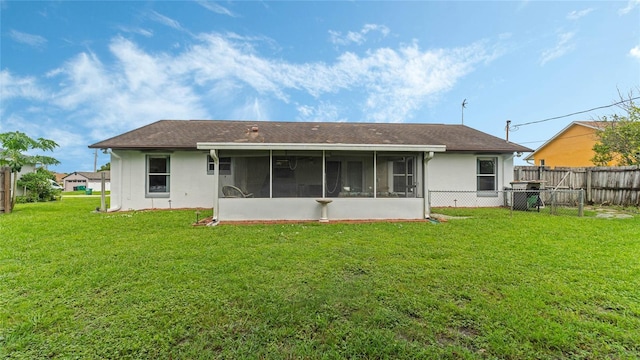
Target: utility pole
point(464, 105)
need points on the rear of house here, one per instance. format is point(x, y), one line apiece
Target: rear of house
point(278, 170)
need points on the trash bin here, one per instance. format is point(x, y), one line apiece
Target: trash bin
point(526, 194)
point(89, 191)
point(81, 187)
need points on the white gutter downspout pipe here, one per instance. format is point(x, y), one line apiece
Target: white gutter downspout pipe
point(216, 181)
point(120, 189)
point(425, 186)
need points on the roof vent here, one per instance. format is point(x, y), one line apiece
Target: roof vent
point(254, 129)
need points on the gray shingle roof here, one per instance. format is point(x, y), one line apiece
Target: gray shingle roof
point(90, 175)
point(185, 134)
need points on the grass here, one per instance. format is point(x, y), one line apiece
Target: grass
point(78, 284)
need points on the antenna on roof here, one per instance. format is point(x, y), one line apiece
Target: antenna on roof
point(464, 105)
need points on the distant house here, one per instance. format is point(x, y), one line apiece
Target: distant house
point(248, 170)
point(86, 180)
point(571, 147)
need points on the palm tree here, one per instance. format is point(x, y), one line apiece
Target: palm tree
point(13, 146)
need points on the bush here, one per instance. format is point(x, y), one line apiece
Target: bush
point(38, 186)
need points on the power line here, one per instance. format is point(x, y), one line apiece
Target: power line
point(516, 126)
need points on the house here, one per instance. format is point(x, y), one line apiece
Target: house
point(248, 170)
point(86, 180)
point(571, 147)
point(26, 168)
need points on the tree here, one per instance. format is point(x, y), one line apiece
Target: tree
point(105, 167)
point(14, 145)
point(39, 185)
point(619, 139)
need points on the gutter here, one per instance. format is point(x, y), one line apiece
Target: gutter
point(319, 146)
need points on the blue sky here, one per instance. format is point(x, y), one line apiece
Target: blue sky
point(78, 72)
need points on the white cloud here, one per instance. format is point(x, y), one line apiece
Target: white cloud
point(575, 15)
point(36, 41)
point(632, 4)
point(394, 83)
point(136, 30)
point(356, 37)
point(138, 88)
point(19, 87)
point(562, 47)
point(635, 52)
point(323, 111)
point(227, 71)
point(164, 20)
point(216, 8)
point(252, 109)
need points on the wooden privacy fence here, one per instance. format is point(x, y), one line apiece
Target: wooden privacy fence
point(5, 190)
point(619, 185)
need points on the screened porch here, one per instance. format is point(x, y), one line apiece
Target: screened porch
point(318, 174)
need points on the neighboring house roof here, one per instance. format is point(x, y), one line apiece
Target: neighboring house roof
point(91, 175)
point(186, 134)
point(595, 125)
point(59, 177)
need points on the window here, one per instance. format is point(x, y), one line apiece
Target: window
point(158, 174)
point(224, 162)
point(541, 162)
point(487, 175)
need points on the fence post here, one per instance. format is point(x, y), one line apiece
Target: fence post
point(589, 196)
point(581, 203)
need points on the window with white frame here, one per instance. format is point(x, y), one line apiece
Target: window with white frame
point(158, 175)
point(224, 163)
point(487, 175)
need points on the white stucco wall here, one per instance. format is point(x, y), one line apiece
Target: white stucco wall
point(309, 209)
point(457, 173)
point(20, 191)
point(192, 187)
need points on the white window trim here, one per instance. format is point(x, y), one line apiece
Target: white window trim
point(487, 193)
point(164, 194)
point(221, 161)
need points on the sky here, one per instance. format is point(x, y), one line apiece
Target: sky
point(79, 72)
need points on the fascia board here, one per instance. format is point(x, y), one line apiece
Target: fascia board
point(343, 147)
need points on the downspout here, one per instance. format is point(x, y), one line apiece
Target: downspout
point(425, 186)
point(216, 181)
point(121, 190)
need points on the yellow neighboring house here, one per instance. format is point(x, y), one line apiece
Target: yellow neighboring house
point(571, 147)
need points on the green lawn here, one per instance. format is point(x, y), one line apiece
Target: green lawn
point(78, 284)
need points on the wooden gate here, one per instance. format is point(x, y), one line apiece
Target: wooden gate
point(5, 190)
